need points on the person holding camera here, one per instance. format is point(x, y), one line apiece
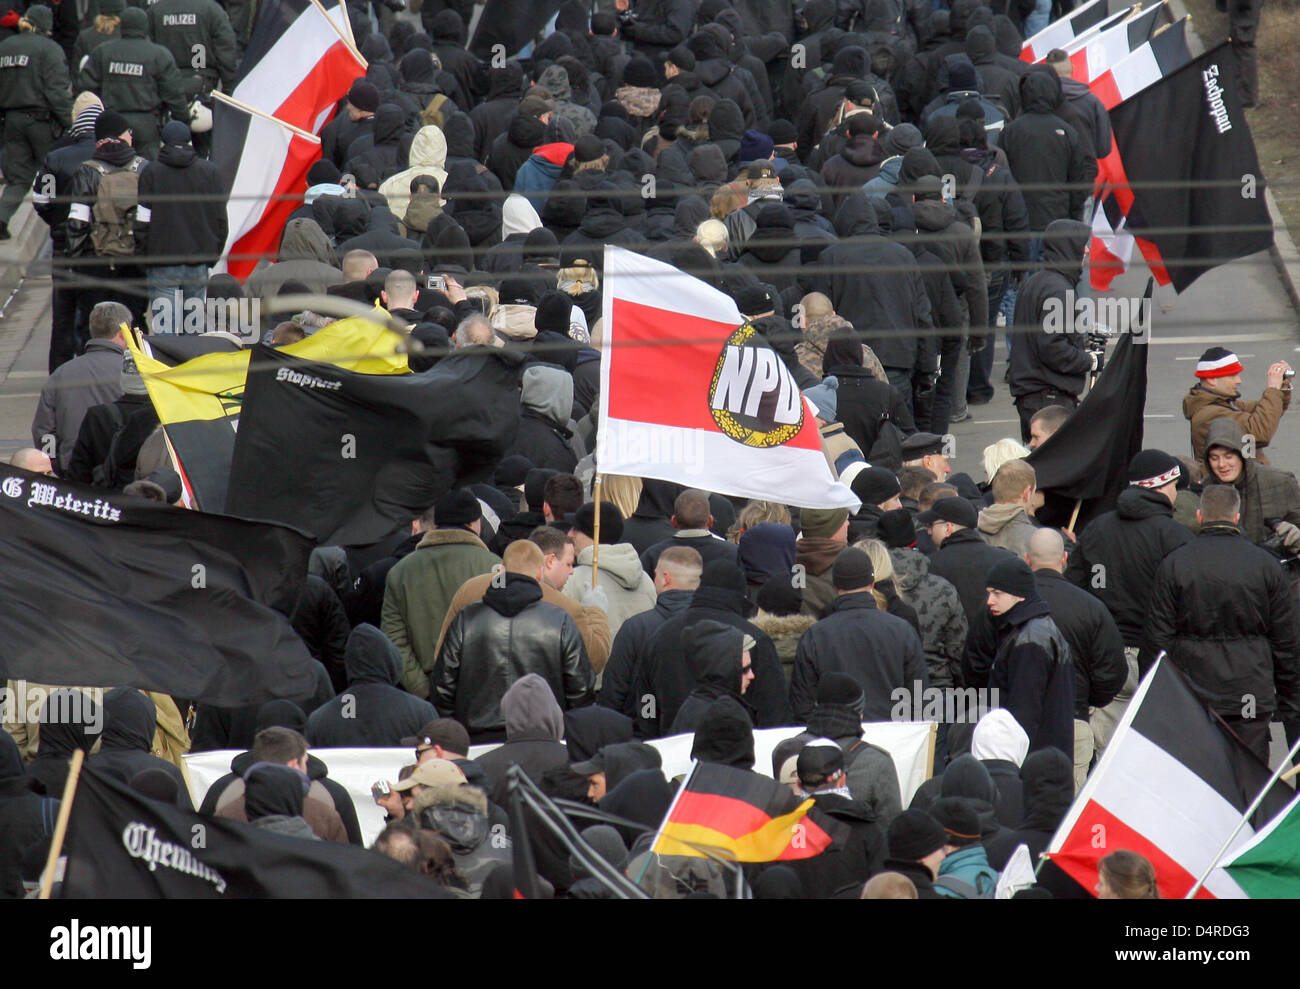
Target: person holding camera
point(1217, 393)
point(1053, 353)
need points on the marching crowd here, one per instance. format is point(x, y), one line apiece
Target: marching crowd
point(877, 208)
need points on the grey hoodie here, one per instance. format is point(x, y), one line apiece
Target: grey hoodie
point(530, 710)
point(548, 392)
point(625, 582)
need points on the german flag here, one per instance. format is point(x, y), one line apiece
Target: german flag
point(199, 402)
point(743, 817)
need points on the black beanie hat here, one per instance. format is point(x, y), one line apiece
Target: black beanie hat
point(554, 311)
point(1012, 576)
point(458, 507)
point(512, 471)
point(611, 522)
point(322, 172)
point(779, 596)
point(640, 72)
point(724, 574)
point(782, 132)
point(110, 124)
point(841, 689)
point(913, 835)
point(852, 569)
point(1153, 469)
point(897, 529)
point(876, 484)
point(281, 714)
point(959, 820)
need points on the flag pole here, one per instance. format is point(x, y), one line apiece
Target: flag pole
point(343, 36)
point(1277, 774)
point(595, 549)
point(263, 114)
point(1074, 515)
point(695, 764)
point(61, 824)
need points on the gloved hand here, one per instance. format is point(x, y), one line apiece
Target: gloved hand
point(595, 597)
point(1098, 360)
point(1290, 534)
point(924, 385)
point(976, 343)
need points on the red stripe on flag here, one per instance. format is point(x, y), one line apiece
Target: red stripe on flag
point(1079, 65)
point(812, 842)
point(1079, 855)
point(1105, 89)
point(733, 817)
point(263, 240)
point(327, 83)
point(662, 366)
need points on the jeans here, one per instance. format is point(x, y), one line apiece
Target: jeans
point(901, 378)
point(979, 387)
point(1039, 19)
point(171, 287)
point(1009, 297)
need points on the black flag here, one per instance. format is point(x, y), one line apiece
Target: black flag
point(123, 845)
point(511, 24)
point(1087, 458)
point(1174, 138)
point(350, 456)
point(103, 590)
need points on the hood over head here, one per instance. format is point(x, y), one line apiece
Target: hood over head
point(643, 797)
point(548, 391)
point(1040, 90)
point(713, 652)
point(530, 709)
point(135, 23)
point(851, 61)
point(1225, 432)
point(68, 723)
point(304, 240)
point(518, 216)
point(980, 45)
point(726, 123)
point(371, 657)
point(130, 720)
point(1048, 779)
point(725, 735)
point(447, 25)
point(417, 67)
point(998, 735)
point(856, 216)
point(556, 81)
point(967, 777)
point(1063, 245)
point(351, 219)
point(273, 790)
point(942, 137)
point(507, 82)
point(428, 149)
point(589, 729)
point(458, 130)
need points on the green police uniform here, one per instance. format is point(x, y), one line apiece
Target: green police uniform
point(201, 40)
point(36, 100)
point(138, 79)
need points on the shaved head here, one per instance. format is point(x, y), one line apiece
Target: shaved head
point(1046, 547)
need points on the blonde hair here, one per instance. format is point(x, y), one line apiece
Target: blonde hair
point(997, 454)
point(881, 564)
point(754, 513)
point(1130, 875)
point(485, 292)
point(523, 556)
point(624, 491)
point(106, 23)
point(726, 200)
point(712, 236)
point(1011, 479)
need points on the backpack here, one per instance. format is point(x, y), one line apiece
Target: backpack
point(432, 114)
point(113, 214)
point(965, 890)
point(887, 450)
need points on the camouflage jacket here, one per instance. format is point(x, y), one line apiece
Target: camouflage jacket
point(939, 612)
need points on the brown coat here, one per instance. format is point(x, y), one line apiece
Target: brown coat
point(1258, 419)
point(317, 810)
point(593, 624)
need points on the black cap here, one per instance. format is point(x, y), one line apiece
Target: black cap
point(753, 300)
point(1154, 469)
point(458, 507)
point(860, 93)
point(852, 569)
point(364, 96)
point(588, 148)
point(959, 820)
point(611, 522)
point(779, 596)
point(922, 444)
point(512, 471)
point(841, 689)
point(956, 510)
point(782, 132)
point(761, 170)
point(819, 759)
point(110, 123)
point(896, 529)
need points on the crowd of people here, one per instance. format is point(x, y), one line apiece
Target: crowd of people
point(877, 208)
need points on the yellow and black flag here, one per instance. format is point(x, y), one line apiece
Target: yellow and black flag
point(199, 402)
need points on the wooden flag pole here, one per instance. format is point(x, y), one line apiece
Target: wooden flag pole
point(263, 114)
point(343, 35)
point(595, 550)
point(61, 824)
point(1074, 515)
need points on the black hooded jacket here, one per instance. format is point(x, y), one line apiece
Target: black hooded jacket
point(67, 724)
point(1048, 778)
point(373, 711)
point(875, 284)
point(125, 749)
point(191, 228)
point(27, 816)
point(666, 674)
point(492, 116)
point(630, 648)
point(384, 151)
point(713, 656)
point(493, 642)
point(1095, 643)
point(1049, 354)
point(1045, 151)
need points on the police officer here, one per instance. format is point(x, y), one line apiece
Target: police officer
point(199, 36)
point(107, 26)
point(138, 79)
point(36, 99)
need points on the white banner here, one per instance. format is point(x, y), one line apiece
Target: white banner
point(908, 743)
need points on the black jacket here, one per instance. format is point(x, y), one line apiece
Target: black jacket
point(713, 657)
point(709, 547)
point(181, 231)
point(666, 676)
point(1119, 553)
point(957, 247)
point(544, 443)
point(659, 25)
point(1096, 646)
point(1223, 609)
point(385, 149)
point(1048, 780)
point(864, 404)
point(26, 816)
point(126, 746)
point(492, 116)
point(60, 164)
point(630, 648)
point(322, 624)
point(964, 560)
point(1033, 673)
point(1049, 354)
point(373, 711)
point(880, 651)
point(848, 862)
point(83, 190)
point(1046, 154)
point(875, 284)
point(493, 642)
point(234, 728)
point(509, 150)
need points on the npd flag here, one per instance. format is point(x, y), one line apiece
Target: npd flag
point(691, 392)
